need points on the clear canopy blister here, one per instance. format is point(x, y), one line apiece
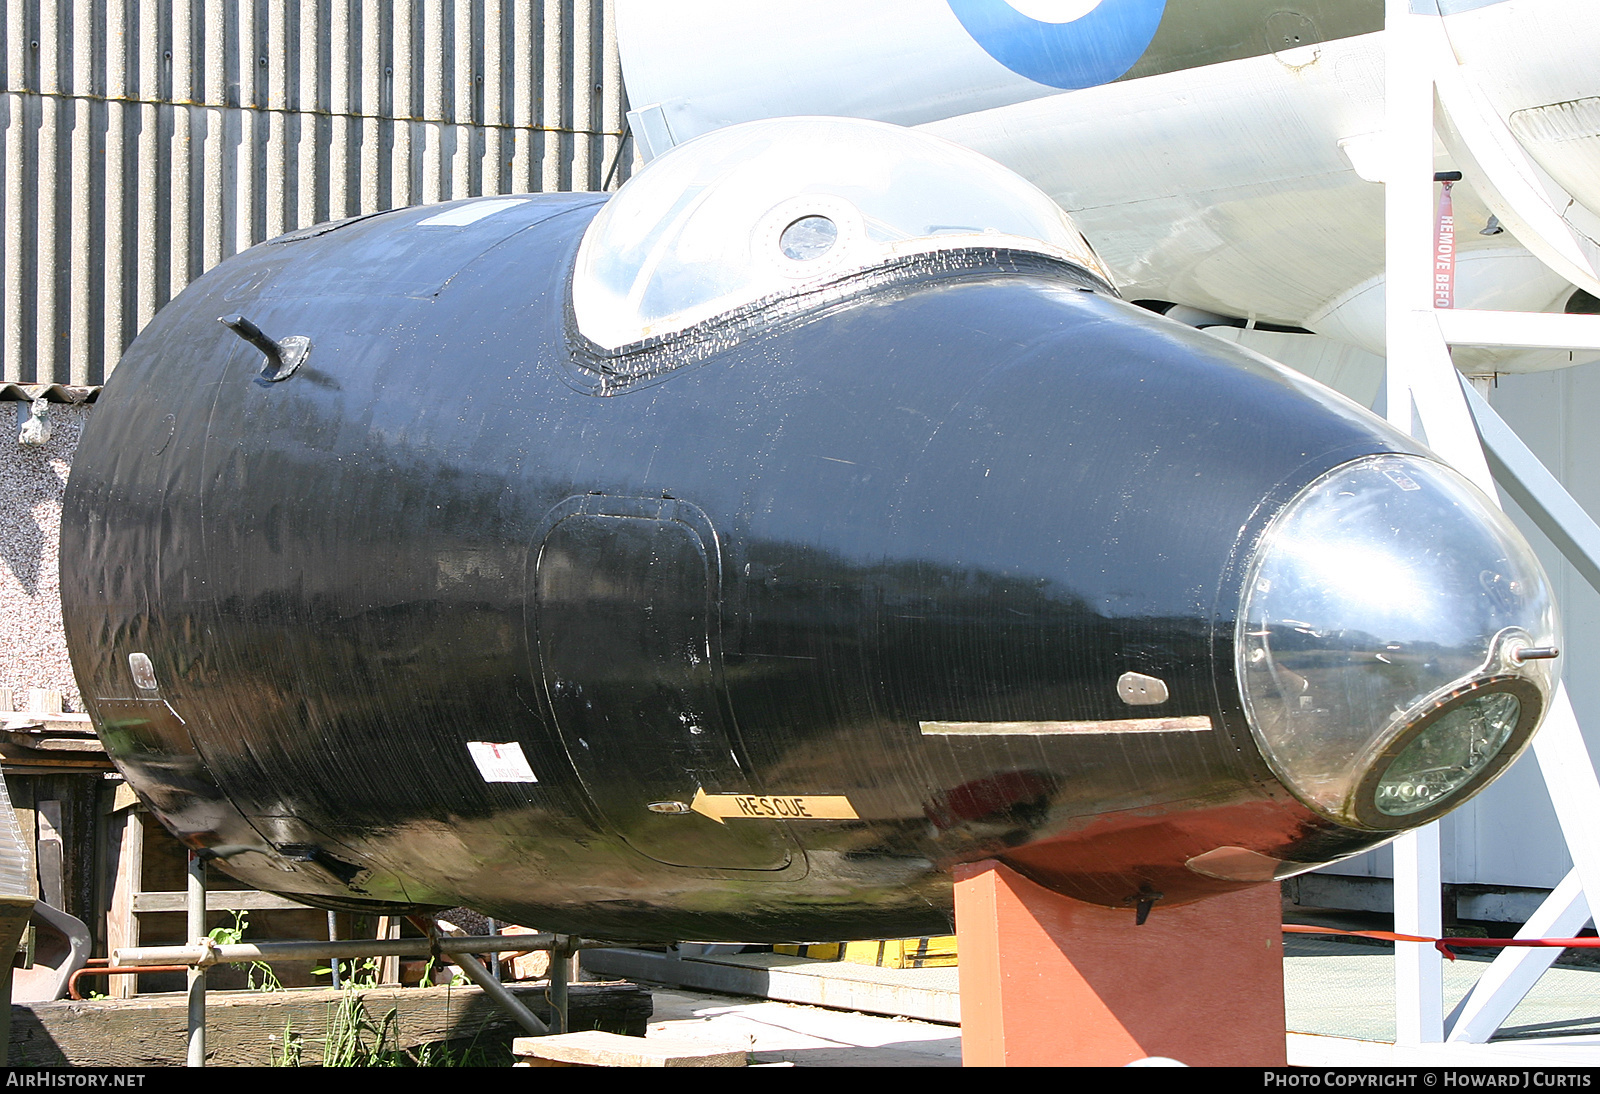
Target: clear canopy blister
point(771, 208)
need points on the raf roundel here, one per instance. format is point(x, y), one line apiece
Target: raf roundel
point(1063, 43)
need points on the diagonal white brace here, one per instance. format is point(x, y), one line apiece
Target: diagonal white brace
point(1530, 484)
point(1514, 972)
point(1569, 775)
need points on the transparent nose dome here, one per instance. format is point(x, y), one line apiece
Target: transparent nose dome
point(772, 208)
point(1395, 643)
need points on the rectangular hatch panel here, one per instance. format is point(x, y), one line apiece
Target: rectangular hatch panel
point(626, 620)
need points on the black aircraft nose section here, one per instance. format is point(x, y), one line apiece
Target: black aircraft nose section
point(625, 572)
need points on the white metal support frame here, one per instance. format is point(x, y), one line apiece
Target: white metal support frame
point(1427, 397)
point(1563, 757)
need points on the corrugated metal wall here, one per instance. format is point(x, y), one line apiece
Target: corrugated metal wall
point(146, 140)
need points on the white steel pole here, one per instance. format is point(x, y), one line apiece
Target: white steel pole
point(197, 975)
point(1411, 354)
point(1426, 398)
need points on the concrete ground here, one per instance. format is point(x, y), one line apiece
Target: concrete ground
point(1335, 989)
point(802, 1036)
point(1341, 989)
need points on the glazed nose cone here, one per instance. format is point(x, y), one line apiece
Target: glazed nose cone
point(1379, 648)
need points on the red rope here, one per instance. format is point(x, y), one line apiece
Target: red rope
point(1443, 945)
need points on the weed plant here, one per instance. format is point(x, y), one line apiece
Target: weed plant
point(355, 1039)
point(232, 936)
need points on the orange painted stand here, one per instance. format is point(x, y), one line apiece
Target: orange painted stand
point(1051, 981)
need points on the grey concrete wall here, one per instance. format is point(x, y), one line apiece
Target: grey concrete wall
point(144, 141)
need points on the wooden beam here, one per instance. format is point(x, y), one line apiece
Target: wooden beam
point(247, 1029)
point(388, 967)
point(52, 856)
point(127, 876)
point(44, 701)
point(36, 743)
point(12, 762)
point(39, 742)
point(224, 900)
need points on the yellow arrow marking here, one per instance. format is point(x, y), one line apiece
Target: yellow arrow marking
point(719, 807)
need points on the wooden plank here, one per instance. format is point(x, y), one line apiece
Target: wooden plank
point(76, 724)
point(121, 797)
point(246, 1029)
point(62, 743)
point(388, 967)
point(22, 799)
point(52, 855)
point(44, 701)
point(789, 980)
point(217, 900)
point(127, 876)
point(530, 965)
point(38, 742)
point(80, 796)
point(594, 1048)
point(28, 761)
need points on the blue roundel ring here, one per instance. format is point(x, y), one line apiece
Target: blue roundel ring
point(1093, 49)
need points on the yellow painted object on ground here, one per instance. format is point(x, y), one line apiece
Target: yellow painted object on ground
point(893, 953)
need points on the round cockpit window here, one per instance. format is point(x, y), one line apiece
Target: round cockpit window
point(808, 238)
point(766, 209)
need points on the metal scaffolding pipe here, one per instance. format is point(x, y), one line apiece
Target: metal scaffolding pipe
point(206, 954)
point(197, 974)
point(560, 966)
point(484, 979)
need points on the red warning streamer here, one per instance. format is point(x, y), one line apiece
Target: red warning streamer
point(1444, 252)
point(1445, 945)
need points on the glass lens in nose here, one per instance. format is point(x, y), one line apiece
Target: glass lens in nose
point(1387, 581)
point(1444, 757)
